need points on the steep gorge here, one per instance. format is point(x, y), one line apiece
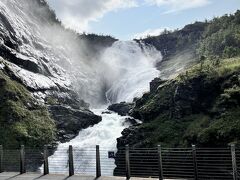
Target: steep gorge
point(69, 73)
point(56, 85)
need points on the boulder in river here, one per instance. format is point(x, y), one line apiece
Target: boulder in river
point(122, 108)
point(68, 128)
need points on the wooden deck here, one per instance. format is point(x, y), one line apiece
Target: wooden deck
point(31, 176)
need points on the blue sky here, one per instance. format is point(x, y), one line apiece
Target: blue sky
point(126, 19)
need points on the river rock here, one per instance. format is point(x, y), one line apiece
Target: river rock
point(106, 112)
point(122, 108)
point(155, 83)
point(70, 121)
point(131, 121)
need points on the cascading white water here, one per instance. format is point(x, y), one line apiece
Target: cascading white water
point(104, 134)
point(119, 73)
point(131, 66)
point(126, 69)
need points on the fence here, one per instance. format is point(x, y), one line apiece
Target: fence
point(188, 163)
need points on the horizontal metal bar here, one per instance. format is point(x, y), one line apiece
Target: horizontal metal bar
point(143, 165)
point(143, 155)
point(178, 169)
point(177, 158)
point(213, 150)
point(148, 150)
point(214, 154)
point(176, 163)
point(214, 174)
point(142, 148)
point(145, 169)
point(167, 166)
point(174, 175)
point(214, 167)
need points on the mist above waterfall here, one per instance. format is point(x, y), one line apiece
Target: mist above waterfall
point(122, 72)
point(131, 67)
point(117, 72)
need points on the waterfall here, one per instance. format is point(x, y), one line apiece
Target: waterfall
point(121, 72)
point(64, 61)
point(126, 70)
point(131, 66)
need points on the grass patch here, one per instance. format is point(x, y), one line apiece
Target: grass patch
point(22, 119)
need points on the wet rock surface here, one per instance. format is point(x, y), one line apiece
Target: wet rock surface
point(131, 121)
point(155, 83)
point(122, 108)
point(69, 121)
point(130, 136)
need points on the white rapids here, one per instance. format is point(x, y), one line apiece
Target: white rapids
point(126, 69)
point(103, 134)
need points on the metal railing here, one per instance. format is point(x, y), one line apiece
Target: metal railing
point(187, 163)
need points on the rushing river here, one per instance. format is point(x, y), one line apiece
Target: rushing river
point(129, 67)
point(104, 134)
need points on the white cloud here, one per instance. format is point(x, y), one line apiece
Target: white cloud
point(77, 14)
point(149, 32)
point(178, 5)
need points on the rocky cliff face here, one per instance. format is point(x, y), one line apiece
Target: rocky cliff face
point(198, 107)
point(36, 52)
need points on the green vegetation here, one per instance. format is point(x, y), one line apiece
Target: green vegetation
point(22, 119)
point(221, 37)
point(98, 40)
point(218, 38)
point(200, 106)
point(52, 101)
point(170, 43)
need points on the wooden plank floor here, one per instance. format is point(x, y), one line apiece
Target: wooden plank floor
point(31, 176)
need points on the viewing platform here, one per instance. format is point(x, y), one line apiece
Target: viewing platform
point(35, 176)
point(127, 163)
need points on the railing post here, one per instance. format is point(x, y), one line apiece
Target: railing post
point(195, 162)
point(70, 156)
point(160, 167)
point(45, 157)
point(98, 163)
point(22, 160)
point(234, 162)
point(128, 174)
point(1, 158)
